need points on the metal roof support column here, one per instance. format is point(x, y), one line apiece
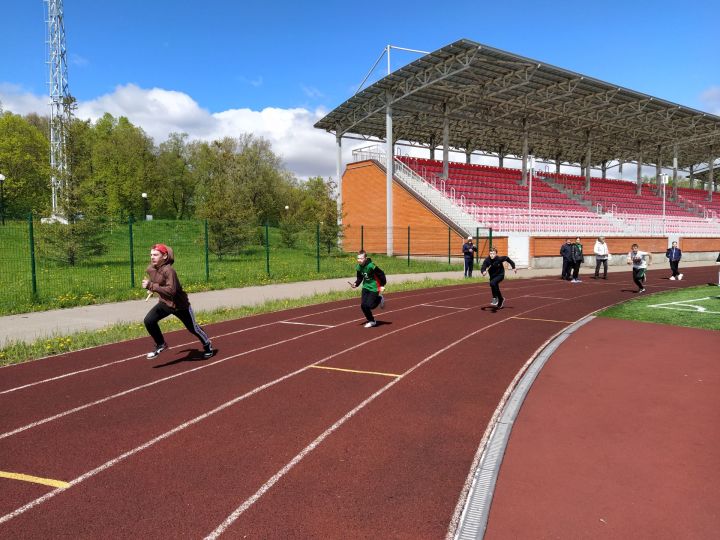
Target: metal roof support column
point(501, 156)
point(389, 174)
point(557, 164)
point(524, 153)
point(468, 152)
point(638, 185)
point(711, 162)
point(620, 164)
point(446, 142)
point(658, 170)
point(692, 177)
point(432, 147)
point(338, 174)
point(603, 167)
point(675, 175)
point(588, 157)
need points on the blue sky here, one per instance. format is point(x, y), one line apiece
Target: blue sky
point(227, 63)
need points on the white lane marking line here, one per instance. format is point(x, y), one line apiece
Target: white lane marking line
point(114, 461)
point(543, 297)
point(446, 307)
point(136, 388)
point(306, 324)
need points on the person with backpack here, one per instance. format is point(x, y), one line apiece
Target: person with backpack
point(373, 284)
point(496, 267)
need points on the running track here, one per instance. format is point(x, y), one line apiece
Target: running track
point(305, 424)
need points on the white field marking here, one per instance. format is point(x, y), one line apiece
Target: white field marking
point(446, 307)
point(176, 429)
point(306, 324)
point(153, 383)
point(324, 435)
point(679, 306)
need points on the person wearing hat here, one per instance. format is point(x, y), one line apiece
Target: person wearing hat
point(163, 280)
point(469, 251)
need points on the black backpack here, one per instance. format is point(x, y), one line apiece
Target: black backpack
point(380, 275)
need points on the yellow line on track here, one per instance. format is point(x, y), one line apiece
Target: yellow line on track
point(544, 320)
point(34, 479)
point(357, 371)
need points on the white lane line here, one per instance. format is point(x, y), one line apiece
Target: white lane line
point(446, 307)
point(306, 324)
point(122, 457)
point(153, 383)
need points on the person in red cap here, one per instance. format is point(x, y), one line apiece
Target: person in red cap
point(173, 300)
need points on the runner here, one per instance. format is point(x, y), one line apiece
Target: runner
point(373, 283)
point(173, 300)
point(674, 254)
point(639, 260)
point(495, 266)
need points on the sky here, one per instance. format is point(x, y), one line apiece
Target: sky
point(224, 67)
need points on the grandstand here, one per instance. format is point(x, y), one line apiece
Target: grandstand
point(474, 99)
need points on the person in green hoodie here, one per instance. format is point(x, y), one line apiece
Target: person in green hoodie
point(373, 284)
point(577, 255)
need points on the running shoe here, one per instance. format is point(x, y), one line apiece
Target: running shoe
point(672, 278)
point(208, 351)
point(680, 276)
point(370, 324)
point(154, 354)
point(641, 290)
point(494, 302)
point(501, 303)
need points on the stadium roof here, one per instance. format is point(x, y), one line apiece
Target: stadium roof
point(488, 94)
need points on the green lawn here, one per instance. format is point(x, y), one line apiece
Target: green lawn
point(695, 307)
point(107, 278)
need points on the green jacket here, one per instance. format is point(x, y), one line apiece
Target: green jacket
point(366, 275)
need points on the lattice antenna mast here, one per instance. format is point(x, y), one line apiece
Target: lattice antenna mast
point(59, 105)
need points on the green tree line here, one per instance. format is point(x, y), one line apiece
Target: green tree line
point(112, 162)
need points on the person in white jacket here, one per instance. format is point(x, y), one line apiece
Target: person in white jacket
point(601, 257)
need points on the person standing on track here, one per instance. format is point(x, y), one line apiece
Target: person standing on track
point(601, 257)
point(469, 251)
point(674, 254)
point(566, 254)
point(495, 266)
point(373, 284)
point(576, 254)
point(639, 260)
point(173, 300)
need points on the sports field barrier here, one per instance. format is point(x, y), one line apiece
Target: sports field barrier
point(45, 266)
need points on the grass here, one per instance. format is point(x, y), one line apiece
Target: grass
point(107, 278)
point(690, 314)
point(18, 352)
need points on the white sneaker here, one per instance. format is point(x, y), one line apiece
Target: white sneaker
point(641, 290)
point(494, 302)
point(382, 302)
point(154, 354)
point(680, 276)
point(370, 324)
point(672, 278)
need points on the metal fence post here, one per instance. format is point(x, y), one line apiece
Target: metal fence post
point(33, 272)
point(362, 235)
point(267, 247)
point(490, 236)
point(132, 253)
point(207, 253)
point(408, 246)
point(449, 246)
point(317, 245)
point(477, 245)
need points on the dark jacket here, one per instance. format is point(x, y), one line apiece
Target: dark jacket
point(674, 254)
point(164, 282)
point(495, 267)
point(566, 251)
point(469, 250)
point(576, 253)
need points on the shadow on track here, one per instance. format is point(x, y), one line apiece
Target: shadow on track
point(193, 355)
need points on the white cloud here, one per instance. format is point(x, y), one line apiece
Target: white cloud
point(710, 98)
point(305, 150)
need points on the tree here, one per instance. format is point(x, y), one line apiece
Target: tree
point(319, 206)
point(174, 186)
point(24, 152)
